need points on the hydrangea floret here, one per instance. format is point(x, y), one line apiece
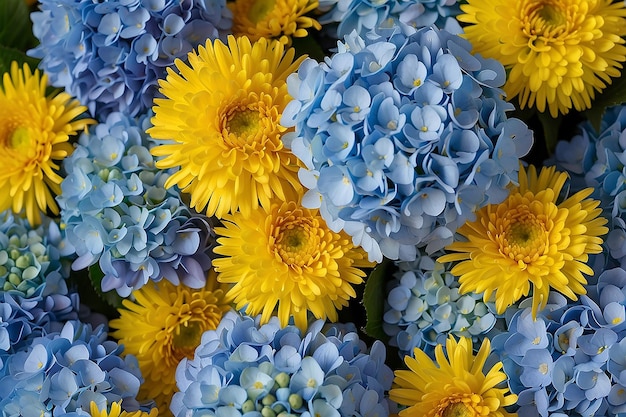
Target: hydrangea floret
point(570, 358)
point(403, 138)
point(423, 306)
point(65, 371)
point(34, 297)
point(340, 17)
point(595, 158)
point(245, 367)
point(111, 54)
point(117, 212)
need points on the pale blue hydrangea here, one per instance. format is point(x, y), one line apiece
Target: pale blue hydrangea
point(423, 306)
point(30, 256)
point(34, 297)
point(117, 211)
point(570, 359)
point(597, 159)
point(340, 17)
point(403, 138)
point(110, 54)
point(246, 369)
point(65, 371)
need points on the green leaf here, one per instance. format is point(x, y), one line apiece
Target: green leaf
point(551, 128)
point(613, 95)
point(374, 300)
point(308, 46)
point(15, 25)
point(8, 55)
point(111, 298)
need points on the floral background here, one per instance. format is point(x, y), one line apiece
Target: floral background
point(277, 208)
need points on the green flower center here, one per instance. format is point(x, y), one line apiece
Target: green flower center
point(259, 9)
point(244, 123)
point(187, 338)
point(294, 245)
point(523, 235)
point(20, 138)
point(552, 14)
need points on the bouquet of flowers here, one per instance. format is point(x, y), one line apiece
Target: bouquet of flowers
point(342, 208)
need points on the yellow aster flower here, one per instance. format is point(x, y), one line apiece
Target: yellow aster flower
point(34, 134)
point(454, 386)
point(163, 325)
point(287, 256)
point(530, 238)
point(222, 115)
point(273, 19)
point(559, 52)
point(116, 411)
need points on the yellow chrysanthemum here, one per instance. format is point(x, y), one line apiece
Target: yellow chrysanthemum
point(163, 325)
point(455, 386)
point(222, 114)
point(273, 19)
point(559, 52)
point(116, 411)
point(530, 238)
point(34, 134)
point(287, 256)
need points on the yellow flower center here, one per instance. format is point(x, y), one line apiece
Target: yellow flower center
point(295, 242)
point(21, 139)
point(243, 123)
point(522, 236)
point(259, 9)
point(548, 19)
point(459, 405)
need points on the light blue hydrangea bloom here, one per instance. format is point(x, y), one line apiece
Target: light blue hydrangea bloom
point(403, 138)
point(34, 297)
point(341, 17)
point(117, 212)
point(246, 369)
point(597, 159)
point(65, 371)
point(423, 306)
point(570, 359)
point(110, 54)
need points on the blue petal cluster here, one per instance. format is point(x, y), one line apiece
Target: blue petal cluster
point(117, 211)
point(403, 138)
point(34, 298)
point(423, 306)
point(110, 54)
point(363, 16)
point(570, 360)
point(65, 371)
point(246, 369)
point(597, 159)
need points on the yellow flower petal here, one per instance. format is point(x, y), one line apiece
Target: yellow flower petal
point(559, 52)
point(529, 240)
point(221, 119)
point(34, 134)
point(288, 258)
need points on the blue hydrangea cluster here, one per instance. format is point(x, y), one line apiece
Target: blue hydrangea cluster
point(597, 159)
point(117, 211)
point(345, 16)
point(109, 54)
point(403, 138)
point(244, 368)
point(34, 298)
point(31, 258)
point(423, 306)
point(571, 359)
point(65, 371)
